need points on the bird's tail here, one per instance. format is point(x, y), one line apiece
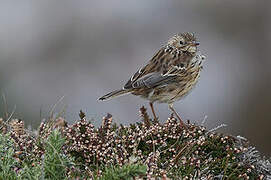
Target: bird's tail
point(114, 94)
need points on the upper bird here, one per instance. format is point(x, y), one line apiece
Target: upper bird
point(169, 75)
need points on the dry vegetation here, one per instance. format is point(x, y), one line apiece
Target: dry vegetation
point(143, 150)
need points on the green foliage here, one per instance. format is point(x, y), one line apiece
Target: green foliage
point(7, 162)
point(55, 162)
point(126, 172)
point(52, 165)
point(31, 172)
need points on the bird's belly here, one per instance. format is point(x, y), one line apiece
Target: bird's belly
point(171, 93)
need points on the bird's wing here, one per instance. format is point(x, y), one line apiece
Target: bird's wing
point(152, 80)
point(154, 65)
point(155, 79)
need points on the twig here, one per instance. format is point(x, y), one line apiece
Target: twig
point(204, 120)
point(144, 114)
point(177, 157)
point(13, 111)
point(53, 108)
point(5, 106)
point(216, 128)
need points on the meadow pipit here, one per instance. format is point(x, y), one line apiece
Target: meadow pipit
point(169, 75)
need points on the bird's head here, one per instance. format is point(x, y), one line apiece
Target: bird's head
point(185, 42)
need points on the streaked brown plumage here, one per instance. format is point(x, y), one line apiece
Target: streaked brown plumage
point(170, 74)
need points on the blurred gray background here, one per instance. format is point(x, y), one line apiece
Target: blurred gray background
point(84, 49)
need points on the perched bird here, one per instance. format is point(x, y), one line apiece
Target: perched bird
point(169, 75)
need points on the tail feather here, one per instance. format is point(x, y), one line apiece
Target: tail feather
point(114, 94)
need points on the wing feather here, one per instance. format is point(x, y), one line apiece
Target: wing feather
point(151, 67)
point(159, 71)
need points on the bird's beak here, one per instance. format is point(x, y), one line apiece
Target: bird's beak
point(195, 43)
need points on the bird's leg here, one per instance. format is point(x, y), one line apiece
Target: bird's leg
point(153, 112)
point(177, 115)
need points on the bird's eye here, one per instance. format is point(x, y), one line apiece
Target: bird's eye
point(181, 43)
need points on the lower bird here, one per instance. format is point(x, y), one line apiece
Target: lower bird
point(169, 75)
